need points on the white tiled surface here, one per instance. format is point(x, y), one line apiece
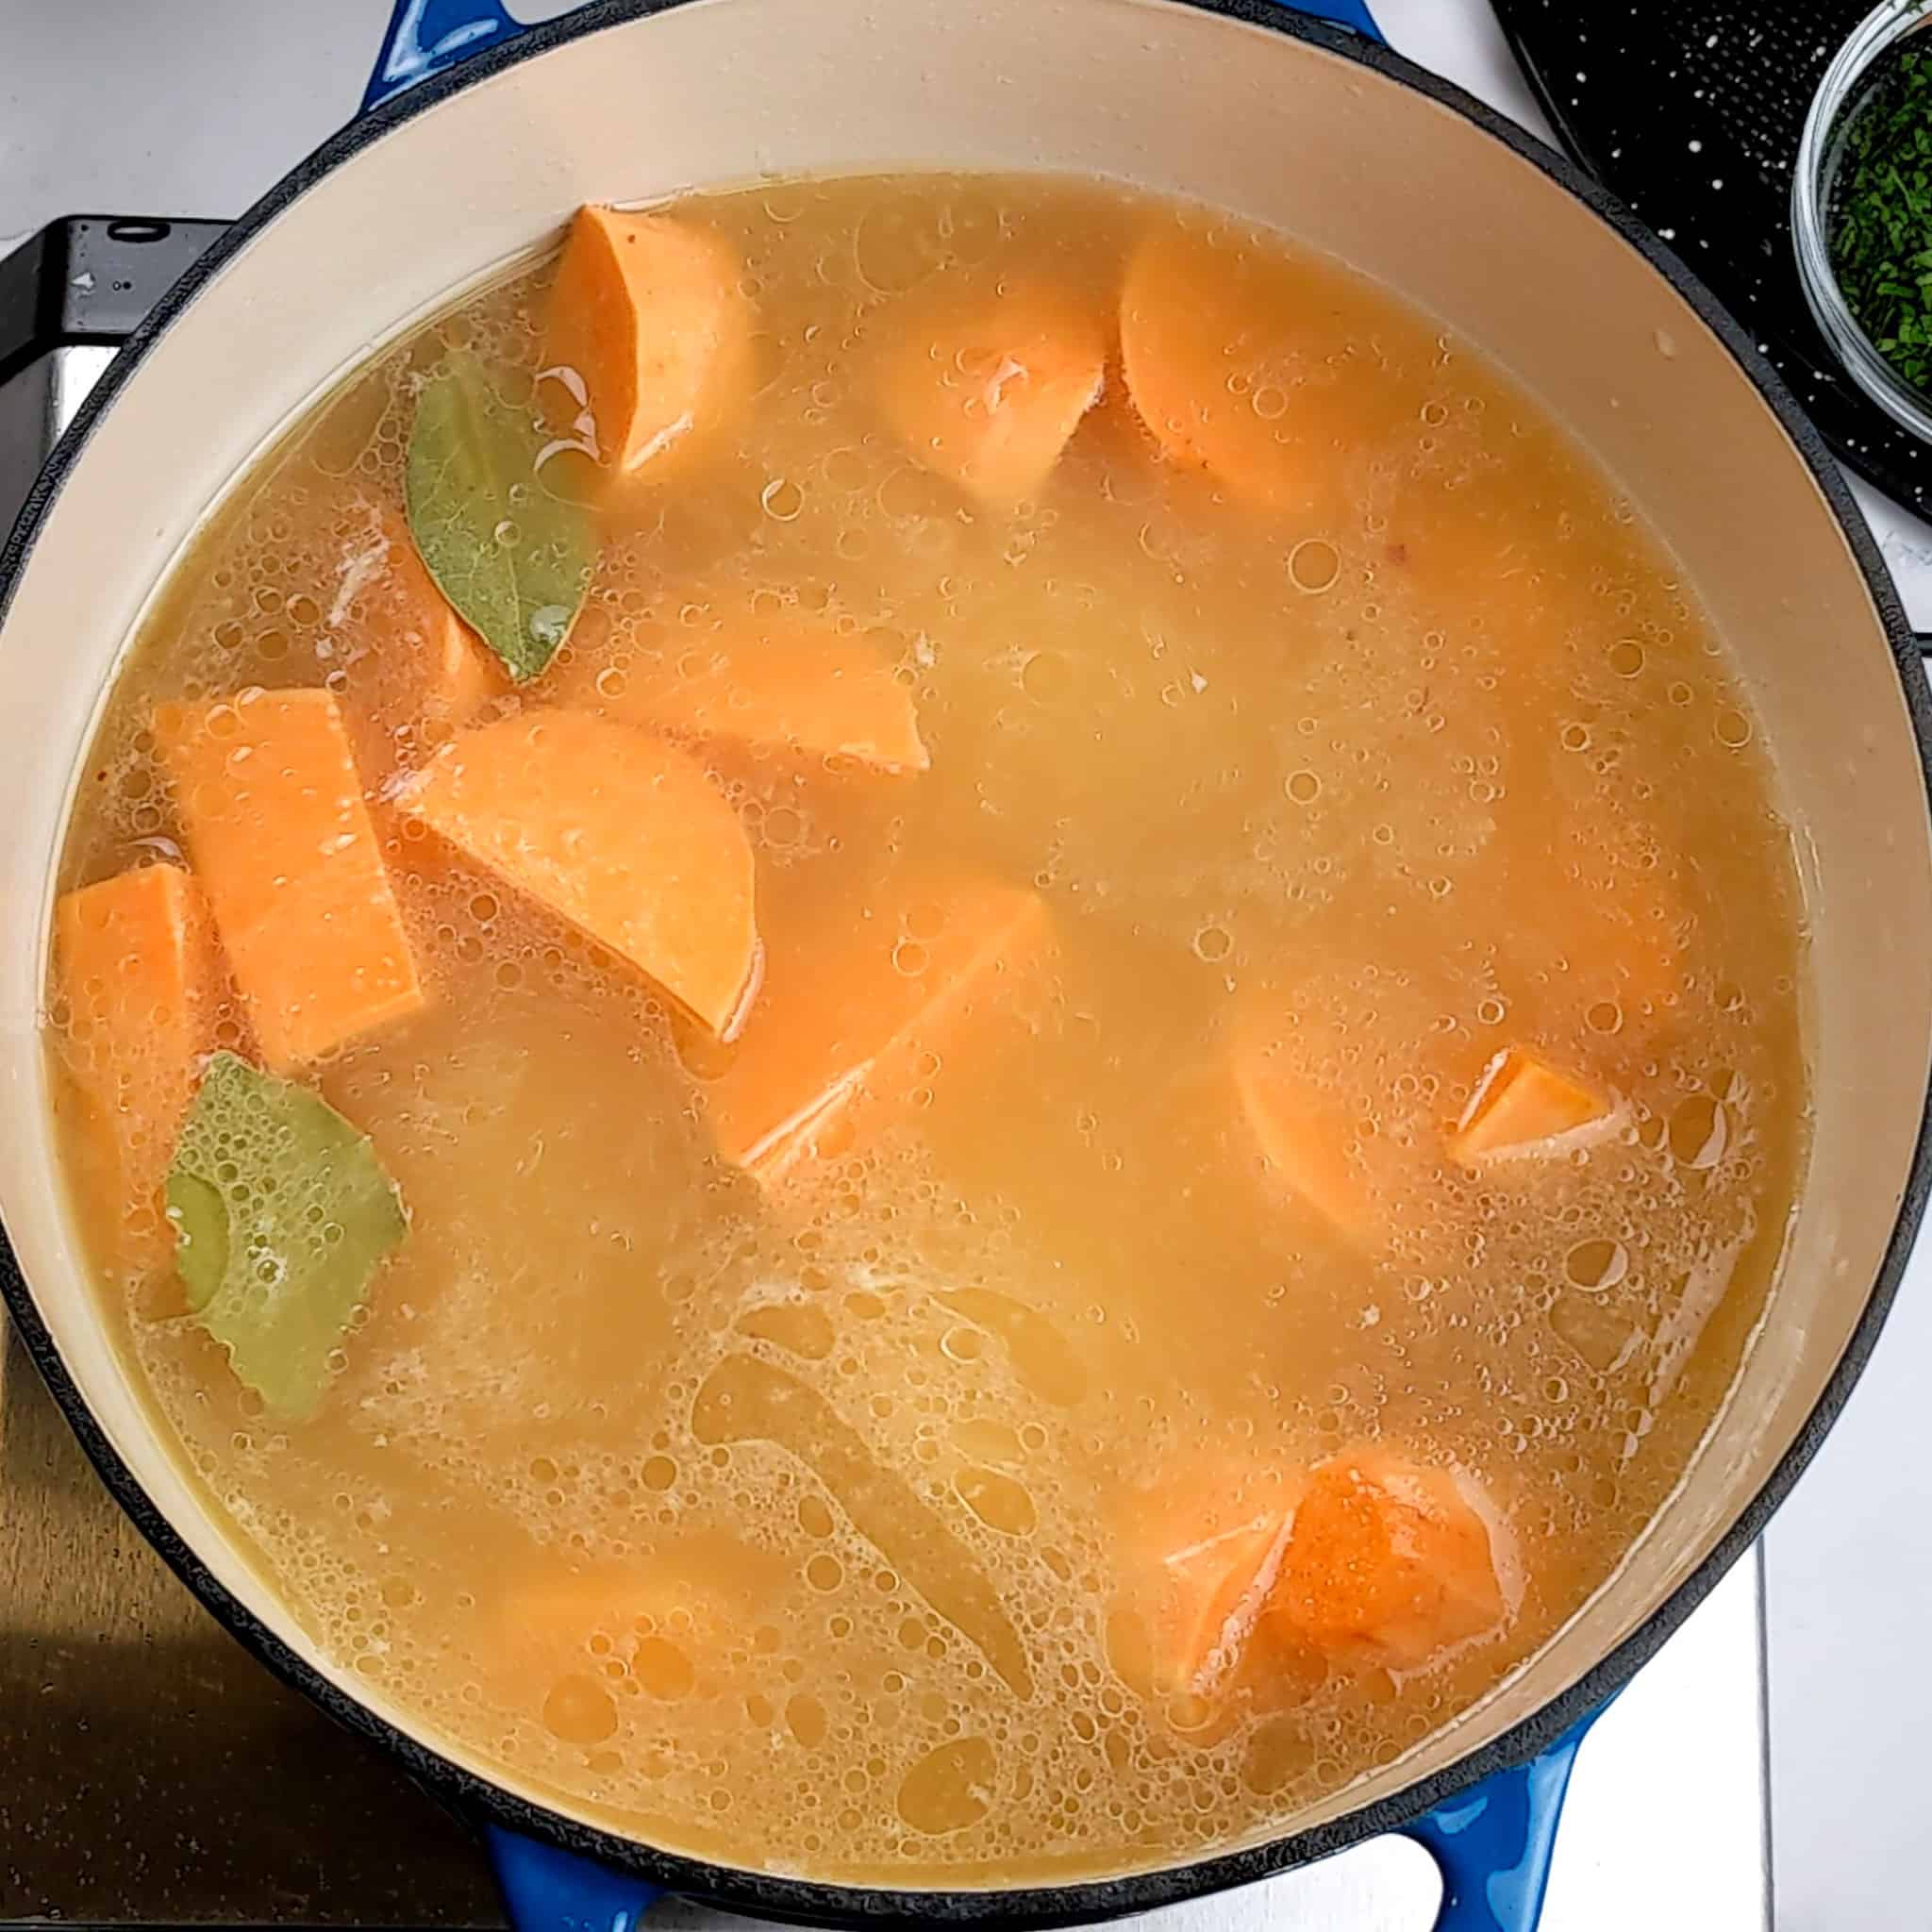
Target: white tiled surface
point(192, 107)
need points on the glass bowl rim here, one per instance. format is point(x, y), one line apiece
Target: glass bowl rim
point(1875, 37)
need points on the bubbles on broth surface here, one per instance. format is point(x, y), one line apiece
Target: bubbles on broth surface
point(742, 1517)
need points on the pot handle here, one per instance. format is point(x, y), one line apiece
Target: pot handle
point(549, 1890)
point(427, 37)
point(1493, 1845)
point(1348, 13)
point(1493, 1842)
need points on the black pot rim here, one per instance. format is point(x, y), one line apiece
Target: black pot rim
point(765, 1894)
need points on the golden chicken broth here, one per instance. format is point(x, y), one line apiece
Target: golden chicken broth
point(1091, 1098)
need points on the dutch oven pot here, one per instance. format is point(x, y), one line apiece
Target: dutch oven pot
point(1306, 127)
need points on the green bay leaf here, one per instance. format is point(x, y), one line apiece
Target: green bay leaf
point(282, 1214)
point(513, 558)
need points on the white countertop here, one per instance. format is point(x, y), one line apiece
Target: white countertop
point(194, 106)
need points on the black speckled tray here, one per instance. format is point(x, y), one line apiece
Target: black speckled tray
point(1691, 112)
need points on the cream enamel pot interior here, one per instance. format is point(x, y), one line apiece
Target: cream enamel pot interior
point(1296, 125)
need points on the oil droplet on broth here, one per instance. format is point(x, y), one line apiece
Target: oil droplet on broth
point(1598, 1265)
point(998, 1500)
point(1699, 1132)
point(1599, 1329)
point(1046, 677)
point(950, 1788)
point(579, 1710)
point(984, 1439)
point(662, 1669)
point(1275, 1755)
point(798, 1326)
point(805, 1717)
point(1313, 565)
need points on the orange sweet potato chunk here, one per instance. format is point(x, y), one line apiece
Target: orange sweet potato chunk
point(573, 1640)
point(789, 684)
point(1230, 361)
point(270, 800)
point(1620, 926)
point(646, 312)
point(550, 1614)
point(137, 968)
point(1304, 1128)
point(987, 389)
point(414, 671)
point(616, 831)
point(1200, 1559)
point(1388, 1561)
point(1521, 1102)
point(853, 999)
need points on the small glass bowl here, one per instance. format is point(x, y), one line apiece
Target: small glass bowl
point(1819, 153)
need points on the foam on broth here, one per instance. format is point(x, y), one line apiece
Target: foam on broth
point(796, 1538)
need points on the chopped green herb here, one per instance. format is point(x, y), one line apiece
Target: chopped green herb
point(281, 1214)
point(1881, 218)
point(513, 558)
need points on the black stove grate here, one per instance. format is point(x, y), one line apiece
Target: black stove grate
point(1690, 111)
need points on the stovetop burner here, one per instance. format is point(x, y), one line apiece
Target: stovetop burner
point(153, 1775)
